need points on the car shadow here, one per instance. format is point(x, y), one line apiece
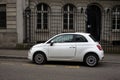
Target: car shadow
point(66, 63)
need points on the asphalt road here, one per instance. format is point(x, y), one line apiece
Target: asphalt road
point(22, 69)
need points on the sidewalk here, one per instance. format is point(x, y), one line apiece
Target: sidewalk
point(14, 54)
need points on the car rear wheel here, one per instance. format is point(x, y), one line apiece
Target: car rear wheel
point(39, 58)
point(91, 60)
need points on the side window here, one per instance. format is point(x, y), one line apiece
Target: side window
point(2, 16)
point(42, 16)
point(116, 18)
point(63, 38)
point(80, 38)
point(68, 16)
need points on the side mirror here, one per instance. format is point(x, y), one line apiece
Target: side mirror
point(51, 43)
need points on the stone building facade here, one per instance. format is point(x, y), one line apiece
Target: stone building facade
point(8, 23)
point(98, 17)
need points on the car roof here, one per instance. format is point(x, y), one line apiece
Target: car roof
point(80, 33)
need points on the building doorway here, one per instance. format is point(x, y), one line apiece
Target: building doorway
point(93, 24)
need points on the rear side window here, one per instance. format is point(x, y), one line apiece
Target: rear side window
point(93, 38)
point(80, 38)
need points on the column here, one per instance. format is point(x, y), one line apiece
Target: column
point(20, 29)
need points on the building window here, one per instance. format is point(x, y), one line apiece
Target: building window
point(116, 18)
point(2, 16)
point(42, 16)
point(68, 17)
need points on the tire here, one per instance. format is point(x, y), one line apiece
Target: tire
point(39, 58)
point(91, 60)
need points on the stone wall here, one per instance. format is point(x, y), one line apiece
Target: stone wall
point(8, 39)
point(8, 36)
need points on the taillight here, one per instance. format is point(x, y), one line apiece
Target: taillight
point(99, 47)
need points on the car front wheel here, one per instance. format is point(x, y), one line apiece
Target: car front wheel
point(91, 60)
point(39, 58)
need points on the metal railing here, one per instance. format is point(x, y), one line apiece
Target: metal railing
point(40, 27)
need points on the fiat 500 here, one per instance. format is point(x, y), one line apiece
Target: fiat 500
point(80, 47)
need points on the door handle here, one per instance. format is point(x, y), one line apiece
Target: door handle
point(72, 47)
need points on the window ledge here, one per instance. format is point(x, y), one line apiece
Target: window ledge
point(7, 30)
point(68, 30)
point(42, 31)
point(115, 30)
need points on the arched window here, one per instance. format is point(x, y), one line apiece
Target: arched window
point(68, 17)
point(116, 18)
point(2, 16)
point(42, 16)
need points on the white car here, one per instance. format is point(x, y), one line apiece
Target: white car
point(68, 47)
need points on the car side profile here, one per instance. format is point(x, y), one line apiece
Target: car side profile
point(80, 47)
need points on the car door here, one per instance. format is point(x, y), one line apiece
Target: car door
point(63, 47)
point(81, 44)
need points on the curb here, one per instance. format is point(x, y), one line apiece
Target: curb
point(12, 57)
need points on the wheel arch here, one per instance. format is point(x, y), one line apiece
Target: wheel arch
point(88, 53)
point(38, 52)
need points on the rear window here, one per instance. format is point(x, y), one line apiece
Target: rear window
point(93, 38)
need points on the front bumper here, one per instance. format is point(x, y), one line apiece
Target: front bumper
point(29, 55)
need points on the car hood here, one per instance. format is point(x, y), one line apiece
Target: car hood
point(39, 45)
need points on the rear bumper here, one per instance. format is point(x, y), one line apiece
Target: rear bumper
point(101, 55)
